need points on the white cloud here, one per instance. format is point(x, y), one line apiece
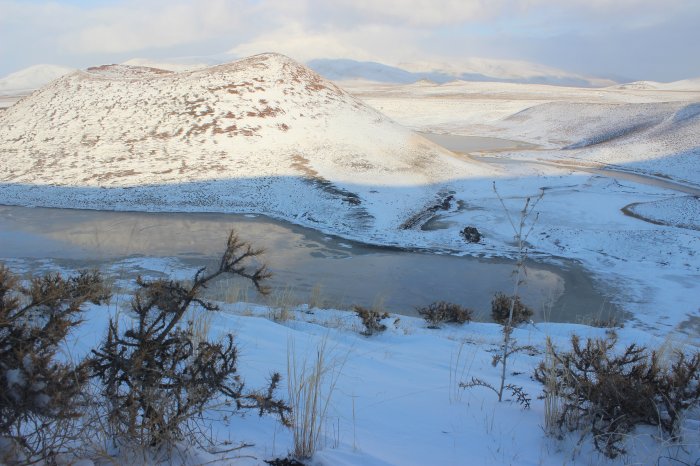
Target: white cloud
point(128, 25)
point(295, 43)
point(139, 25)
point(92, 32)
point(422, 12)
point(359, 43)
point(431, 13)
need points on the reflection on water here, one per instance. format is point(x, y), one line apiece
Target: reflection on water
point(303, 261)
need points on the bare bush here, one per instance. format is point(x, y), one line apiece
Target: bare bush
point(40, 395)
point(610, 393)
point(371, 320)
point(444, 312)
point(157, 376)
point(501, 309)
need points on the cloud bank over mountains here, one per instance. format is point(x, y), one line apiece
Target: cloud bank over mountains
point(628, 39)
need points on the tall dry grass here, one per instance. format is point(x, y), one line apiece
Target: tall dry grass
point(311, 381)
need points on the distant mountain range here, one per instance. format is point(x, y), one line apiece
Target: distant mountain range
point(485, 70)
point(341, 69)
point(470, 70)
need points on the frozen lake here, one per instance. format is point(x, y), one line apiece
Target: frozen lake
point(306, 264)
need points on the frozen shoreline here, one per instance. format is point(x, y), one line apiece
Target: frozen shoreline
point(346, 273)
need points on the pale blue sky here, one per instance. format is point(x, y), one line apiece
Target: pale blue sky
point(624, 39)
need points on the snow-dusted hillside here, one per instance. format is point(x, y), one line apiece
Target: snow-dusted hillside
point(31, 78)
point(261, 134)
point(652, 138)
point(692, 84)
point(652, 128)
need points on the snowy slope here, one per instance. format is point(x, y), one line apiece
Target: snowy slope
point(31, 78)
point(396, 400)
point(261, 134)
point(653, 138)
point(692, 84)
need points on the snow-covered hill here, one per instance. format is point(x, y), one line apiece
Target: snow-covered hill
point(660, 138)
point(262, 134)
point(683, 85)
point(34, 77)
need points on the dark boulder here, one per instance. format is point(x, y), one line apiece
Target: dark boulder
point(471, 235)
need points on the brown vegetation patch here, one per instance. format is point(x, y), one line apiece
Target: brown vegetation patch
point(234, 130)
point(232, 88)
point(112, 175)
point(198, 129)
point(265, 112)
point(94, 69)
point(162, 135)
point(312, 81)
point(89, 141)
point(130, 71)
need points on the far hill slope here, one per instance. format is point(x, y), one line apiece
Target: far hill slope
point(659, 138)
point(28, 79)
point(262, 134)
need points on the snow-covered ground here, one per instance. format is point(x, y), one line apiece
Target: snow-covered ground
point(267, 136)
point(396, 400)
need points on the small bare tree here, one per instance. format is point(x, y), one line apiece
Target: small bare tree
point(521, 231)
point(156, 377)
point(40, 395)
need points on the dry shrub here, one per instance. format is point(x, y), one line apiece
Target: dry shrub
point(444, 312)
point(371, 320)
point(553, 403)
point(610, 393)
point(310, 386)
point(158, 377)
point(501, 305)
point(40, 396)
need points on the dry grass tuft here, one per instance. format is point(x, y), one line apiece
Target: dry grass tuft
point(310, 385)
